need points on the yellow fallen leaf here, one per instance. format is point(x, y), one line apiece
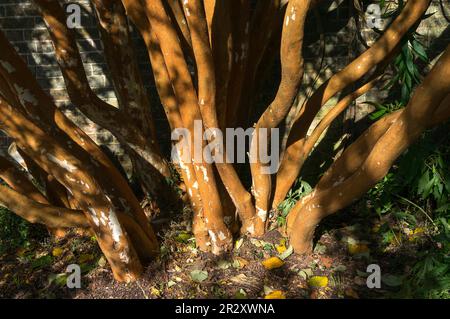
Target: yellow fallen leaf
point(239, 262)
point(272, 263)
point(318, 281)
point(276, 294)
point(281, 248)
point(155, 292)
point(355, 249)
point(58, 251)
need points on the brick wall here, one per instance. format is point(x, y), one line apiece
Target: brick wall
point(25, 29)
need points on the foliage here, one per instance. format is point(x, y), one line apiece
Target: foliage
point(16, 232)
point(300, 189)
point(407, 74)
point(405, 65)
point(417, 191)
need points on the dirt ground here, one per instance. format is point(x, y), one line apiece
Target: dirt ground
point(336, 269)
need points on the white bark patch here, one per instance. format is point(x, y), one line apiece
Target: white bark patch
point(94, 216)
point(212, 235)
point(222, 236)
point(215, 248)
point(25, 96)
point(79, 137)
point(103, 218)
point(114, 225)
point(251, 229)
point(205, 173)
point(8, 67)
point(180, 161)
point(262, 214)
point(124, 257)
point(293, 12)
point(62, 163)
point(70, 179)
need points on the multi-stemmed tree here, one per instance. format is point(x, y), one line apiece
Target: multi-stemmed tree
point(207, 58)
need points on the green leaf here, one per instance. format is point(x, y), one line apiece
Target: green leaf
point(59, 279)
point(419, 50)
point(199, 275)
point(183, 237)
point(42, 262)
point(377, 115)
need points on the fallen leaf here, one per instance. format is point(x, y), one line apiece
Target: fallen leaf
point(58, 251)
point(183, 237)
point(340, 268)
point(267, 290)
point(239, 262)
point(281, 248)
point(84, 258)
point(360, 281)
point(326, 261)
point(318, 281)
point(356, 249)
point(239, 243)
point(320, 249)
point(305, 273)
point(102, 261)
point(276, 294)
point(199, 275)
point(223, 264)
point(241, 294)
point(59, 279)
point(286, 253)
point(272, 263)
point(256, 242)
point(155, 291)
